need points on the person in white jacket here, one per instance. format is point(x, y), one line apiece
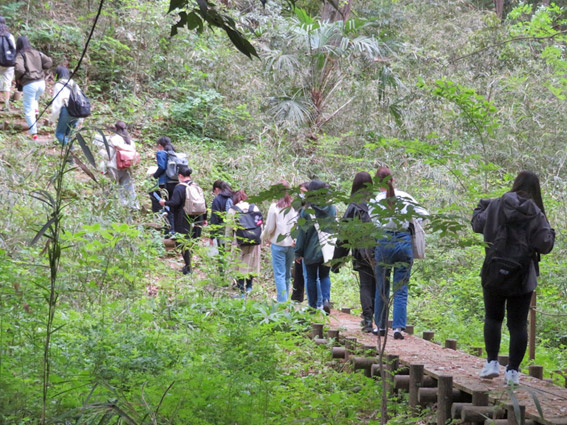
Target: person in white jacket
point(392, 211)
point(281, 218)
point(59, 113)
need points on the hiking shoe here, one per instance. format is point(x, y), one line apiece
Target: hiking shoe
point(327, 307)
point(490, 370)
point(512, 377)
point(398, 334)
point(34, 137)
point(381, 332)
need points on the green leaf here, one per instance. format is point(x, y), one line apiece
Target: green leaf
point(240, 42)
point(181, 23)
point(42, 231)
point(86, 149)
point(194, 21)
point(176, 4)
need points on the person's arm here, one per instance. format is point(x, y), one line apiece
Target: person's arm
point(58, 102)
point(161, 159)
point(46, 61)
point(478, 220)
point(270, 225)
point(19, 68)
point(176, 199)
point(543, 236)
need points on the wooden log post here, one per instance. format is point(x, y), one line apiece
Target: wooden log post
point(364, 363)
point(505, 422)
point(536, 371)
point(428, 395)
point(503, 360)
point(338, 352)
point(390, 323)
point(345, 310)
point(476, 351)
point(444, 398)
point(350, 345)
point(390, 368)
point(316, 330)
point(320, 341)
point(428, 335)
point(416, 378)
point(480, 398)
point(470, 413)
point(410, 329)
point(451, 344)
point(513, 419)
point(333, 333)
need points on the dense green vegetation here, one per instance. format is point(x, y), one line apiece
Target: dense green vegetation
point(453, 100)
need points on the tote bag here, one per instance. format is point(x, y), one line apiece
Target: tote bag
point(326, 241)
point(417, 240)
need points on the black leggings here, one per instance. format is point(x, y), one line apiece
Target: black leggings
point(517, 309)
point(367, 292)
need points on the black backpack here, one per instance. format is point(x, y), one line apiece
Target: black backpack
point(79, 105)
point(7, 52)
point(507, 264)
point(249, 229)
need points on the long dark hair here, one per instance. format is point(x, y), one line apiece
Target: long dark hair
point(166, 143)
point(384, 177)
point(527, 186)
point(286, 200)
point(62, 72)
point(120, 129)
point(361, 182)
point(4, 30)
point(23, 44)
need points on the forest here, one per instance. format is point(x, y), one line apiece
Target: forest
point(97, 323)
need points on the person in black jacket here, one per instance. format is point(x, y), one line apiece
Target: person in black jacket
point(521, 213)
point(363, 257)
point(221, 204)
point(186, 225)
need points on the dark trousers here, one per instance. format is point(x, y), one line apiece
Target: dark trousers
point(298, 293)
point(186, 242)
point(241, 282)
point(156, 207)
point(367, 292)
point(516, 309)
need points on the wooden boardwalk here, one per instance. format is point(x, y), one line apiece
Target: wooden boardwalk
point(464, 368)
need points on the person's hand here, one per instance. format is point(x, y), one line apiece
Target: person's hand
point(298, 260)
point(162, 202)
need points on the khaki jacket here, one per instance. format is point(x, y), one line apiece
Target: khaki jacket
point(32, 67)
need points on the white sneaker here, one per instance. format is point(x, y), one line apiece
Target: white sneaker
point(512, 377)
point(490, 370)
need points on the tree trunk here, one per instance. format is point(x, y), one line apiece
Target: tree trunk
point(333, 11)
point(499, 6)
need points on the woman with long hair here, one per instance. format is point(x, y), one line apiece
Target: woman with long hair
point(277, 230)
point(519, 215)
point(59, 113)
point(30, 74)
point(6, 71)
point(393, 251)
point(308, 247)
point(363, 256)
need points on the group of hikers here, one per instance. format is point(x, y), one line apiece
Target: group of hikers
point(515, 228)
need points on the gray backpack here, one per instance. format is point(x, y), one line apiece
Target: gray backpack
point(174, 161)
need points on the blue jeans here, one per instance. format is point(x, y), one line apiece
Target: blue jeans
point(393, 251)
point(320, 271)
point(30, 99)
point(319, 298)
point(282, 259)
point(65, 125)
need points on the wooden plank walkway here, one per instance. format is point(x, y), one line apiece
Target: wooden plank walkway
point(464, 368)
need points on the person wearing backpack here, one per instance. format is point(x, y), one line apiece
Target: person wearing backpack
point(7, 62)
point(308, 247)
point(363, 257)
point(390, 211)
point(516, 232)
point(190, 212)
point(244, 229)
point(220, 206)
point(30, 75)
point(279, 222)
point(164, 181)
point(59, 113)
point(123, 155)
